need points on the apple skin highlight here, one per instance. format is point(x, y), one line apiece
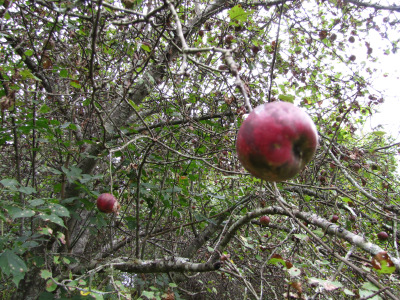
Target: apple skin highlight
point(276, 141)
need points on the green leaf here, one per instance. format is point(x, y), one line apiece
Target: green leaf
point(44, 109)
point(145, 47)
point(369, 286)
point(75, 84)
point(276, 260)
point(26, 213)
point(27, 190)
point(286, 98)
point(72, 283)
point(53, 218)
point(64, 73)
point(66, 260)
point(46, 231)
point(36, 202)
point(147, 294)
point(385, 269)
point(346, 199)
point(348, 292)
point(97, 296)
point(12, 264)
point(28, 52)
point(59, 210)
point(318, 232)
point(51, 285)
point(237, 13)
point(9, 182)
point(365, 294)
point(54, 171)
point(73, 173)
point(379, 133)
point(45, 274)
point(175, 189)
point(131, 222)
point(26, 74)
point(302, 237)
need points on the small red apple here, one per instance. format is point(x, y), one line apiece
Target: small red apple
point(356, 167)
point(107, 203)
point(276, 141)
point(334, 218)
point(323, 34)
point(255, 49)
point(264, 220)
point(382, 236)
point(229, 38)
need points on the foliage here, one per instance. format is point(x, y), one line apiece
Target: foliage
point(143, 99)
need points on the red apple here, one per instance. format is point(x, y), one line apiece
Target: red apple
point(334, 218)
point(255, 49)
point(382, 236)
point(276, 141)
point(229, 38)
point(264, 220)
point(107, 203)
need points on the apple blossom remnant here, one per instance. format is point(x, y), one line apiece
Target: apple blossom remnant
point(276, 141)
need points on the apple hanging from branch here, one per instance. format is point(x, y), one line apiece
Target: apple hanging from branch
point(382, 236)
point(276, 141)
point(264, 220)
point(107, 203)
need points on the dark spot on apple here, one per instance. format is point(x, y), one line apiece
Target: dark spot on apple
point(297, 150)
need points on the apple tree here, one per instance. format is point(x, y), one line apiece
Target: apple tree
point(143, 99)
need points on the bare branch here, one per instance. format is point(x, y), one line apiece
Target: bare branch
point(371, 5)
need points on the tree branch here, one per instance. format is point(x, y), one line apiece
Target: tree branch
point(370, 5)
point(172, 264)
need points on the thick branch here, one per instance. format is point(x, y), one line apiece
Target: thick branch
point(172, 264)
point(328, 227)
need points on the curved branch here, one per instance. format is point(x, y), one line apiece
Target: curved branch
point(328, 227)
point(370, 5)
